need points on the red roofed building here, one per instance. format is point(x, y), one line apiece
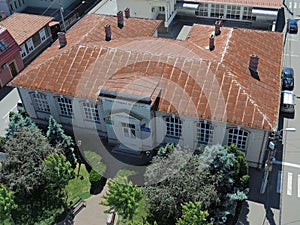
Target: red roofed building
point(10, 59)
point(140, 91)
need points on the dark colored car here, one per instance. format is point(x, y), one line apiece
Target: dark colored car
point(292, 26)
point(287, 78)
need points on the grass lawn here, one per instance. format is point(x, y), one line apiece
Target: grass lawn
point(79, 187)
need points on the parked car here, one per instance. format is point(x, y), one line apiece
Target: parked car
point(292, 26)
point(287, 103)
point(20, 106)
point(287, 78)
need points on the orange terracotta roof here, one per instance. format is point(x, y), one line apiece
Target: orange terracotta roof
point(194, 81)
point(22, 26)
point(258, 3)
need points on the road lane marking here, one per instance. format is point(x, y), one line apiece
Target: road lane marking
point(295, 5)
point(279, 182)
point(298, 186)
point(287, 164)
point(289, 184)
point(290, 4)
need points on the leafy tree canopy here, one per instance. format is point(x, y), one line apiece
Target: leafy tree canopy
point(123, 197)
point(7, 203)
point(192, 215)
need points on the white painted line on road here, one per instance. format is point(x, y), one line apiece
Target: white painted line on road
point(287, 164)
point(291, 55)
point(295, 5)
point(298, 186)
point(279, 181)
point(289, 184)
point(290, 4)
point(6, 115)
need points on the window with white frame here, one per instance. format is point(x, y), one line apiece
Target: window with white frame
point(202, 9)
point(65, 106)
point(247, 13)
point(91, 111)
point(40, 102)
point(174, 126)
point(42, 34)
point(233, 12)
point(30, 45)
point(204, 132)
point(3, 46)
point(23, 51)
point(216, 10)
point(238, 137)
point(128, 130)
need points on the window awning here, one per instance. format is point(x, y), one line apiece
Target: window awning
point(264, 12)
point(190, 5)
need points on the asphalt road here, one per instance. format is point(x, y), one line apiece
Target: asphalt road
point(286, 173)
point(8, 102)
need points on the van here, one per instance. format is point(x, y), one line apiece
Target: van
point(287, 106)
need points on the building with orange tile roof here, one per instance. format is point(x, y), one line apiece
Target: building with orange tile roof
point(31, 32)
point(140, 91)
point(10, 59)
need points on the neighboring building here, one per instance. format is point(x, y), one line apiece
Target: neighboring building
point(139, 91)
point(163, 9)
point(12, 6)
point(10, 59)
point(31, 32)
point(258, 13)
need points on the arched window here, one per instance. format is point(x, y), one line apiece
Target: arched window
point(91, 111)
point(238, 137)
point(65, 106)
point(204, 132)
point(174, 126)
point(40, 102)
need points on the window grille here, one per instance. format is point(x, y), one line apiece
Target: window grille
point(238, 137)
point(204, 132)
point(91, 111)
point(40, 102)
point(174, 126)
point(65, 106)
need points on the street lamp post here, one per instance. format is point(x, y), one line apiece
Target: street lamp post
point(78, 155)
point(274, 139)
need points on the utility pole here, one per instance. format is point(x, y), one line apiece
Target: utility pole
point(62, 16)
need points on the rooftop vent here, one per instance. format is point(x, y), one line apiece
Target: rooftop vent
point(127, 13)
point(107, 32)
point(211, 42)
point(120, 19)
point(62, 39)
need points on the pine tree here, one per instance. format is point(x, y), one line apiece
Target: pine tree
point(57, 136)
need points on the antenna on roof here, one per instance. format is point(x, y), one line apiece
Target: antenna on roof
point(61, 9)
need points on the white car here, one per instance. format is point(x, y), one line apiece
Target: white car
point(20, 106)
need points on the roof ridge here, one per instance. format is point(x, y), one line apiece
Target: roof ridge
point(252, 101)
point(226, 45)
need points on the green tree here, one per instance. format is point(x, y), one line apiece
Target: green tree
point(192, 215)
point(16, 123)
point(22, 170)
point(7, 203)
point(2, 142)
point(174, 180)
point(123, 197)
point(56, 136)
point(58, 170)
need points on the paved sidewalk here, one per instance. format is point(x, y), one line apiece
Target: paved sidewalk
point(93, 213)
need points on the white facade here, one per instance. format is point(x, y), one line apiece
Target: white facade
point(137, 127)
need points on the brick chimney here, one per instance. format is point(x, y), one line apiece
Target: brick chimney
point(211, 42)
point(120, 19)
point(127, 13)
point(2, 15)
point(217, 28)
point(62, 39)
point(253, 62)
point(221, 20)
point(107, 32)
